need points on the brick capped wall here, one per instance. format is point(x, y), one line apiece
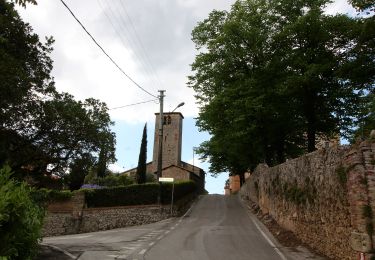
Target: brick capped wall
point(327, 198)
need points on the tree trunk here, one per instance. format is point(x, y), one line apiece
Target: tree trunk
point(311, 132)
point(242, 178)
point(310, 114)
point(280, 149)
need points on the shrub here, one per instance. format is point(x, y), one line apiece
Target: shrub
point(150, 177)
point(124, 180)
point(91, 186)
point(122, 196)
point(111, 180)
point(43, 196)
point(181, 189)
point(137, 194)
point(21, 219)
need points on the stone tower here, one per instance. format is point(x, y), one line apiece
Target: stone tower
point(172, 140)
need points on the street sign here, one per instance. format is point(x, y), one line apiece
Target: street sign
point(162, 179)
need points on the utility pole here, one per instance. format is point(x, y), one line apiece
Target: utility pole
point(160, 153)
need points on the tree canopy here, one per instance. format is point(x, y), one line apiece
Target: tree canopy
point(363, 4)
point(271, 77)
point(43, 131)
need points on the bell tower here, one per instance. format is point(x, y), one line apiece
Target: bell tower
point(172, 139)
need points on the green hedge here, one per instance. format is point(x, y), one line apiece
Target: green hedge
point(137, 194)
point(43, 196)
point(181, 189)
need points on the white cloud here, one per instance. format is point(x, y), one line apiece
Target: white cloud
point(196, 162)
point(163, 28)
point(340, 6)
point(116, 168)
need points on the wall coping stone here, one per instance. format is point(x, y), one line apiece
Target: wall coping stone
point(125, 207)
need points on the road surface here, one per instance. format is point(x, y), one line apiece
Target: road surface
point(216, 227)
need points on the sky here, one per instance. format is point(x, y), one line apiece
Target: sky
point(151, 41)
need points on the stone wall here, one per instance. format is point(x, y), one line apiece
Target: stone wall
point(326, 198)
point(96, 219)
point(75, 218)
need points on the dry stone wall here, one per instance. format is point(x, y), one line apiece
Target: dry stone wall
point(96, 219)
point(326, 198)
point(72, 216)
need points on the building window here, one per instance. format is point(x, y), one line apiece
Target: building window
point(167, 120)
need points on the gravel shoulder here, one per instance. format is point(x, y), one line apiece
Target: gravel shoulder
point(293, 247)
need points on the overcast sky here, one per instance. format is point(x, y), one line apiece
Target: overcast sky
point(151, 41)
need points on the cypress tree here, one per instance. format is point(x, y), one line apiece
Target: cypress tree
point(102, 163)
point(141, 169)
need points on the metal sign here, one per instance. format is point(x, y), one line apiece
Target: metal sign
point(163, 179)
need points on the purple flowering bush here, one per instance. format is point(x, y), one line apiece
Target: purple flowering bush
point(92, 186)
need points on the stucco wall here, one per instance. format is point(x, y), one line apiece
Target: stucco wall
point(321, 197)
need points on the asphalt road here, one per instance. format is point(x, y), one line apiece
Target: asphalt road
point(216, 227)
point(122, 243)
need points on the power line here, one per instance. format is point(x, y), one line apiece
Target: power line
point(109, 57)
point(114, 16)
point(133, 104)
point(140, 43)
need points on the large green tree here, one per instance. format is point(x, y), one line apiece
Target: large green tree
point(271, 76)
point(362, 5)
point(43, 131)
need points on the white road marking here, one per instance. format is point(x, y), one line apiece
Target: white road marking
point(166, 232)
point(151, 244)
point(142, 251)
point(62, 250)
point(269, 240)
point(130, 247)
point(160, 237)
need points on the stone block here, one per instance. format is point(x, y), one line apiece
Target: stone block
point(372, 134)
point(360, 242)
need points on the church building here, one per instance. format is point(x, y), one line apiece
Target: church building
point(172, 166)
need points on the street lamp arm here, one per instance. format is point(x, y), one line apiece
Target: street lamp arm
point(179, 105)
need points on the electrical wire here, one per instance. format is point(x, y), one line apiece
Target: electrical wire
point(111, 16)
point(133, 104)
point(109, 57)
point(140, 42)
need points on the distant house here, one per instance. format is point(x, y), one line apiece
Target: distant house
point(172, 166)
point(233, 185)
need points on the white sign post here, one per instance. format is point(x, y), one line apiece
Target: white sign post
point(163, 179)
